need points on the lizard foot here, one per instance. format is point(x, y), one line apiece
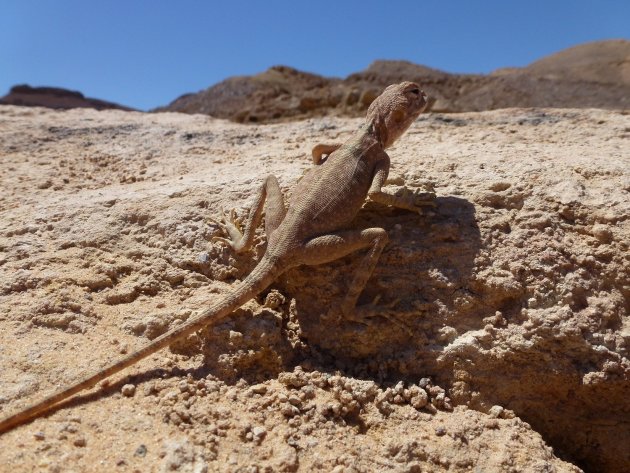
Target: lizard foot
point(361, 314)
point(414, 199)
point(229, 225)
point(332, 315)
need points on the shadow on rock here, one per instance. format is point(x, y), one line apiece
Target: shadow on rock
point(426, 266)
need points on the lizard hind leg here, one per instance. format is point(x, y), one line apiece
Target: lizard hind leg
point(242, 240)
point(275, 209)
point(330, 247)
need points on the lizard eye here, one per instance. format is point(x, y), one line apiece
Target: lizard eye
point(415, 91)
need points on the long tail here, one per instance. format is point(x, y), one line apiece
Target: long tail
point(257, 281)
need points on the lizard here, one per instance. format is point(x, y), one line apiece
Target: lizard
point(313, 229)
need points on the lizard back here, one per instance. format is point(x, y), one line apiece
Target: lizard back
point(332, 193)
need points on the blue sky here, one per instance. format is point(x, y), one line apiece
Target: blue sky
point(147, 53)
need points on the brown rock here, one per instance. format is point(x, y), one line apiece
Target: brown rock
point(54, 97)
point(589, 75)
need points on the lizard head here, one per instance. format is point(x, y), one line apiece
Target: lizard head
point(395, 110)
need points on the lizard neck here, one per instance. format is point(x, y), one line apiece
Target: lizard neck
point(375, 129)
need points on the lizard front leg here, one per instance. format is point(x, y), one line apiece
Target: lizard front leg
point(323, 149)
point(408, 200)
point(275, 211)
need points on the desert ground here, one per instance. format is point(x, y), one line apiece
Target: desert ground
point(506, 350)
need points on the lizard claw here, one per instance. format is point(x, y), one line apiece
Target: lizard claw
point(390, 305)
point(368, 311)
point(230, 225)
point(414, 200)
point(226, 219)
point(227, 241)
point(331, 316)
point(363, 313)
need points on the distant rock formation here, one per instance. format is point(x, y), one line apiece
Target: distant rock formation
point(54, 97)
point(593, 75)
point(606, 62)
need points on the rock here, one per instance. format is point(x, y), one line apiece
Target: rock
point(510, 293)
point(587, 75)
point(54, 97)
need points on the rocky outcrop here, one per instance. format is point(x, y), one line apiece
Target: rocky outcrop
point(593, 75)
point(54, 97)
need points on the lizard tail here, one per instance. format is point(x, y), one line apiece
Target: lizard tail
point(257, 281)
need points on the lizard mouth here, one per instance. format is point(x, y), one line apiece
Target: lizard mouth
point(424, 101)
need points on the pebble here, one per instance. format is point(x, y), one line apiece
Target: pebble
point(602, 233)
point(420, 399)
point(492, 424)
point(495, 411)
point(128, 390)
point(259, 389)
point(235, 336)
point(259, 433)
point(425, 382)
point(289, 411)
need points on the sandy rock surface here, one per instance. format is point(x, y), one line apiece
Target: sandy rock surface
point(507, 348)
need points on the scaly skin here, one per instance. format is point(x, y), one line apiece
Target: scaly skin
point(313, 230)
